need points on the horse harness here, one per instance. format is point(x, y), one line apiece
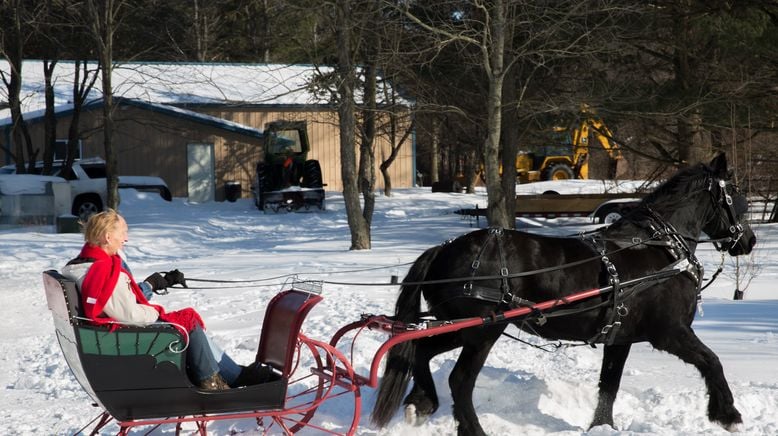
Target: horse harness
point(663, 234)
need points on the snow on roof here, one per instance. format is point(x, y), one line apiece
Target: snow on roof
point(197, 117)
point(177, 84)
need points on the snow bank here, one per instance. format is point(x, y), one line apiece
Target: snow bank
point(18, 184)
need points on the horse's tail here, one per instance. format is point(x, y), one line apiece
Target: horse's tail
point(399, 360)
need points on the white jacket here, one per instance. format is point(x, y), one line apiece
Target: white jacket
point(121, 306)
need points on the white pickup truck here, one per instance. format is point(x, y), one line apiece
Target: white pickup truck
point(88, 185)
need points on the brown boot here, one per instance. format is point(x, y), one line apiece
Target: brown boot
point(214, 383)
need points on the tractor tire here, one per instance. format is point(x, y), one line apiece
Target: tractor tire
point(263, 184)
point(312, 177)
point(558, 171)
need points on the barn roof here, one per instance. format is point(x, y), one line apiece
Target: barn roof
point(178, 84)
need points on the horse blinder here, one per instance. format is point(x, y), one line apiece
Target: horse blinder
point(732, 208)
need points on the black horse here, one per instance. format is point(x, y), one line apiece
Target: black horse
point(650, 251)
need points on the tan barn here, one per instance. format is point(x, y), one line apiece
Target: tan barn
point(168, 123)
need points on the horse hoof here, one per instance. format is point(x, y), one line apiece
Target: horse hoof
point(730, 421)
point(733, 427)
point(412, 417)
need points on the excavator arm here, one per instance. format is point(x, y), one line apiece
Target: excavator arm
point(592, 126)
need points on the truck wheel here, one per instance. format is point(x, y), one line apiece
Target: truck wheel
point(87, 205)
point(558, 171)
point(609, 214)
point(164, 192)
point(312, 177)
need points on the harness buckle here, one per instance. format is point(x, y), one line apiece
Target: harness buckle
point(476, 264)
point(610, 267)
point(468, 289)
point(607, 329)
point(504, 271)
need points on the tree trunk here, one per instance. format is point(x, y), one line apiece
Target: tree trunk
point(435, 151)
point(13, 48)
point(17, 129)
point(50, 122)
point(471, 169)
point(104, 19)
point(367, 146)
point(510, 147)
point(395, 145)
point(690, 143)
point(497, 213)
point(81, 88)
point(360, 235)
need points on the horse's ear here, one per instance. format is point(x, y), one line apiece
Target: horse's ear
point(719, 165)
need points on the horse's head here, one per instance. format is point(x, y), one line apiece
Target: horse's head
point(727, 223)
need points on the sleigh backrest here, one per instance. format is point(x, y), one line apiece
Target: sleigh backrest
point(64, 303)
point(284, 317)
point(109, 362)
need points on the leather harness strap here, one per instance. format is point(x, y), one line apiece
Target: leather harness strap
point(663, 235)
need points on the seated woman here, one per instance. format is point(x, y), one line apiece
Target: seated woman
point(109, 294)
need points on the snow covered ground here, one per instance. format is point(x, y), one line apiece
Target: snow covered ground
point(521, 391)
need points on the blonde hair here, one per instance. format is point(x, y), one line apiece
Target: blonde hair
point(99, 225)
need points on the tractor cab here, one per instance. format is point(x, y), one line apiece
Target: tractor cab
point(286, 178)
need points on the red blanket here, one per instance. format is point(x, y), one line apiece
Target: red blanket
point(101, 280)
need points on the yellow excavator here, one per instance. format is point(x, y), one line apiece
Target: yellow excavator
point(567, 158)
point(570, 158)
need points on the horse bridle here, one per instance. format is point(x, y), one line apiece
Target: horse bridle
point(724, 200)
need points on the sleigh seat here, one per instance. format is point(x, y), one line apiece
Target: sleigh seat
point(140, 372)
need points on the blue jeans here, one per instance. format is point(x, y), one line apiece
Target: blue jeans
point(205, 359)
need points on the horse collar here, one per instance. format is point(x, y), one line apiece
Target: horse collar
point(495, 234)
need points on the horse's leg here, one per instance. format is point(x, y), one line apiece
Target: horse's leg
point(613, 360)
point(422, 401)
point(689, 348)
point(477, 344)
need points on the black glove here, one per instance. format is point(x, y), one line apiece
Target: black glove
point(175, 277)
point(157, 282)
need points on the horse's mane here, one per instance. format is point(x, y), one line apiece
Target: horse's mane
point(679, 187)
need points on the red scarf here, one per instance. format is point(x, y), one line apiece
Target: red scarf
point(100, 282)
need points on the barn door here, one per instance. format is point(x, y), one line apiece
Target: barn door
point(201, 177)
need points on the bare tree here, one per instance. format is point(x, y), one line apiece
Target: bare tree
point(83, 82)
point(105, 19)
point(484, 26)
point(367, 143)
point(396, 130)
point(346, 76)
point(14, 35)
point(50, 118)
